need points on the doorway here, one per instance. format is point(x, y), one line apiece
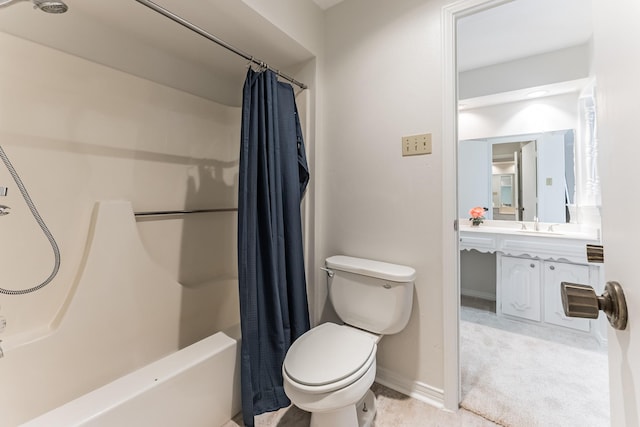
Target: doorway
point(482, 311)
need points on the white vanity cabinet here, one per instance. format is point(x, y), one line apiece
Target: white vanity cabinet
point(553, 274)
point(518, 287)
point(530, 289)
point(531, 265)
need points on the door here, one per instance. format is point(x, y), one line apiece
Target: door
point(550, 180)
point(617, 67)
point(529, 176)
point(475, 173)
point(516, 187)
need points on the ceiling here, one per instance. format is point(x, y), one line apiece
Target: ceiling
point(522, 28)
point(517, 30)
point(128, 36)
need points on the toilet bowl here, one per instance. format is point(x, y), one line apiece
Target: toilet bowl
point(329, 370)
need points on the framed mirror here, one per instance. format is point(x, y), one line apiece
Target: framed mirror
point(519, 177)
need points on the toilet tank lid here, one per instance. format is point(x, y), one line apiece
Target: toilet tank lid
point(367, 267)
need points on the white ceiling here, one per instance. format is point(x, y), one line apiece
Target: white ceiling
point(522, 28)
point(128, 36)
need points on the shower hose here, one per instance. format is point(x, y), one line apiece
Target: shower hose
point(43, 226)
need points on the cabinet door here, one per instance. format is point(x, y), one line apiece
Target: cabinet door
point(520, 287)
point(554, 274)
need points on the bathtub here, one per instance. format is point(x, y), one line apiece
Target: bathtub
point(129, 342)
point(196, 386)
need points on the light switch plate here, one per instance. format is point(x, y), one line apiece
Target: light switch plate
point(415, 145)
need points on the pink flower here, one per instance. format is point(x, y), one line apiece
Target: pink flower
point(476, 212)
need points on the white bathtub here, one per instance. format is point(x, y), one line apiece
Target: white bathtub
point(196, 386)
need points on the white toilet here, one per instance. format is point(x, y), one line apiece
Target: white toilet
point(329, 369)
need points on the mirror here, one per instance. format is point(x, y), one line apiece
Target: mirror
point(519, 177)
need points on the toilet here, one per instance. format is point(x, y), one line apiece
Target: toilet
point(329, 370)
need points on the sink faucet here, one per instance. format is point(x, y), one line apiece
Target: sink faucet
point(536, 224)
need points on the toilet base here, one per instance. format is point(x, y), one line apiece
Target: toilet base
point(366, 409)
point(359, 415)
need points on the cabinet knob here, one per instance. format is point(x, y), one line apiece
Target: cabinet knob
point(552, 267)
point(582, 301)
point(532, 265)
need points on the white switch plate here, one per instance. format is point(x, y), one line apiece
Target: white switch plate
point(415, 145)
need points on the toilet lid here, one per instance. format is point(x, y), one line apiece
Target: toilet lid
point(327, 353)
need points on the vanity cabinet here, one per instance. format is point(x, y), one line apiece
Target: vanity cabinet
point(529, 288)
point(519, 287)
point(553, 274)
point(531, 264)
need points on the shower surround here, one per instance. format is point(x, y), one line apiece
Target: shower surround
point(128, 291)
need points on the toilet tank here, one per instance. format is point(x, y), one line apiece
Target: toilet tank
point(371, 295)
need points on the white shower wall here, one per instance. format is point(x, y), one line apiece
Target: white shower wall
point(78, 132)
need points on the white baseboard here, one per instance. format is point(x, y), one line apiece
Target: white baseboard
point(478, 294)
point(415, 389)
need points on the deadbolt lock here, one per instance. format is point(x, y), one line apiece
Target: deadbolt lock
point(582, 301)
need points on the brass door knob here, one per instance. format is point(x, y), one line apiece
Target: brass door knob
point(582, 301)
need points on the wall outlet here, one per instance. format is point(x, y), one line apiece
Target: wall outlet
point(415, 145)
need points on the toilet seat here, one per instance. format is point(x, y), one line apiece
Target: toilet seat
point(329, 357)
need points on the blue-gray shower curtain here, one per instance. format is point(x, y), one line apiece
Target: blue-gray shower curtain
point(273, 298)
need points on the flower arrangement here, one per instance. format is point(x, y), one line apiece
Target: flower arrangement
point(477, 215)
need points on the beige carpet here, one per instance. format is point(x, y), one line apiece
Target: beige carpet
point(523, 381)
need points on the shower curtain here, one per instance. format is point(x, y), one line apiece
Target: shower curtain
point(272, 285)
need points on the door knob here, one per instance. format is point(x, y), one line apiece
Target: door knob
point(582, 301)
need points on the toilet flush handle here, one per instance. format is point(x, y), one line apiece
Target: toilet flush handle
point(329, 272)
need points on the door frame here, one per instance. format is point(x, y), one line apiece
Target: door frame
point(450, 237)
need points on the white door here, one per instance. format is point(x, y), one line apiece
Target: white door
point(516, 188)
point(617, 70)
point(617, 67)
point(550, 180)
point(474, 175)
point(529, 176)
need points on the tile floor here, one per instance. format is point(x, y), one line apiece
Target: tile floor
point(394, 410)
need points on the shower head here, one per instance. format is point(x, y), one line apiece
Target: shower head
point(49, 6)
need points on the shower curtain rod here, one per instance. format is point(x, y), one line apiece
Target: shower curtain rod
point(203, 33)
point(184, 212)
